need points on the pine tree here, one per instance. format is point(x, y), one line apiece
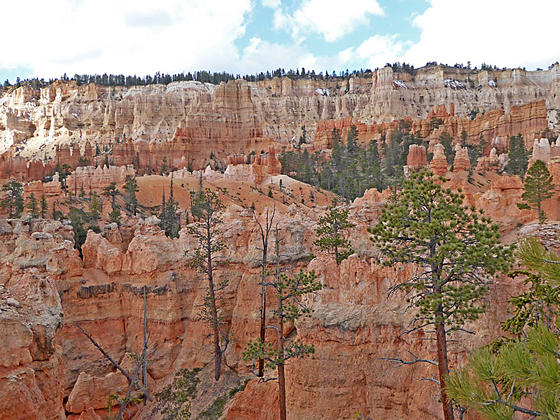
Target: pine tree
point(170, 220)
point(264, 230)
point(447, 141)
point(517, 158)
point(351, 141)
point(520, 375)
point(44, 206)
point(131, 188)
point(330, 230)
point(13, 200)
point(494, 383)
point(115, 216)
point(375, 172)
point(337, 149)
point(541, 300)
point(94, 207)
point(455, 250)
point(303, 137)
point(112, 191)
point(164, 168)
point(32, 206)
point(207, 209)
point(538, 187)
point(77, 218)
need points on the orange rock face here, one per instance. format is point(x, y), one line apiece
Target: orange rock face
point(416, 157)
point(438, 165)
point(355, 324)
point(462, 161)
point(31, 362)
point(91, 392)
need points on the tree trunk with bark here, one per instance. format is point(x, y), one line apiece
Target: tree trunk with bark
point(213, 308)
point(443, 368)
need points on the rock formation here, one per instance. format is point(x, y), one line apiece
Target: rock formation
point(185, 122)
point(49, 369)
point(489, 163)
point(31, 360)
point(438, 165)
point(461, 161)
point(90, 178)
point(541, 150)
point(416, 157)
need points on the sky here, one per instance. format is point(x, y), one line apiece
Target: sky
point(49, 38)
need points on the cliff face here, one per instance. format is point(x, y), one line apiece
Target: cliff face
point(494, 127)
point(34, 257)
point(201, 118)
point(354, 325)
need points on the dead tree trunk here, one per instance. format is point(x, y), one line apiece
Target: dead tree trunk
point(264, 231)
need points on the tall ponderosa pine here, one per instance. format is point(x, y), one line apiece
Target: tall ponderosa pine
point(94, 207)
point(130, 200)
point(169, 219)
point(13, 200)
point(207, 210)
point(289, 291)
point(522, 375)
point(518, 158)
point(538, 187)
point(32, 206)
point(453, 248)
point(330, 230)
point(44, 206)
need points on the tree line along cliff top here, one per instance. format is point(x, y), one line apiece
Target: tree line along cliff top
point(460, 72)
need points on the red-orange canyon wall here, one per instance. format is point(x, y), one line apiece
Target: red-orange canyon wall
point(52, 368)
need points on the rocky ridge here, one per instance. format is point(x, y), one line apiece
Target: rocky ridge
point(195, 119)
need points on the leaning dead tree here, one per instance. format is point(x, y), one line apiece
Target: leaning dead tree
point(138, 380)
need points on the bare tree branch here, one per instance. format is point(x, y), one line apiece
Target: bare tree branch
point(415, 360)
point(115, 364)
point(432, 379)
point(124, 403)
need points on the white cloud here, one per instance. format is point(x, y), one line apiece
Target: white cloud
point(328, 18)
point(143, 36)
point(271, 3)
point(260, 56)
point(125, 36)
point(508, 33)
point(380, 50)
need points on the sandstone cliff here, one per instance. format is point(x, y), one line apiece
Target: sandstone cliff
point(355, 323)
point(191, 120)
